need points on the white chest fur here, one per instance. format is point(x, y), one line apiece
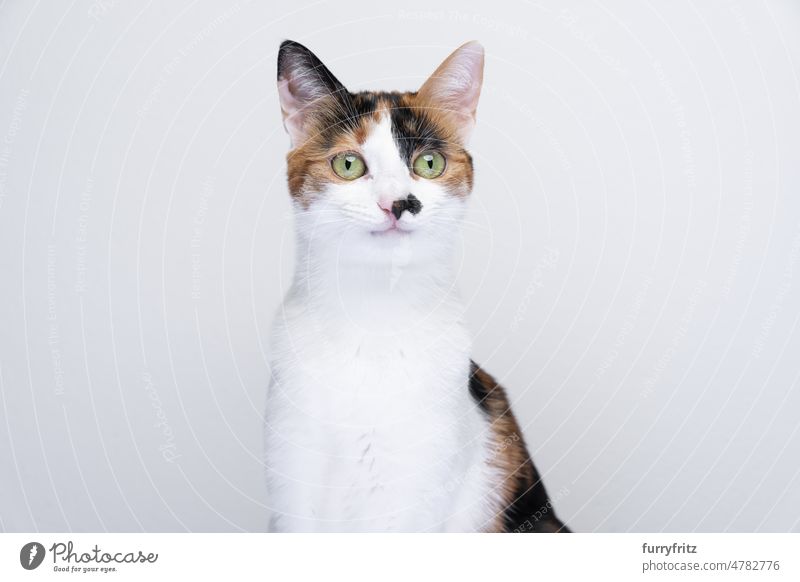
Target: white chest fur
point(370, 424)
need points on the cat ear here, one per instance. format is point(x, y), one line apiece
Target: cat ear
point(302, 81)
point(454, 87)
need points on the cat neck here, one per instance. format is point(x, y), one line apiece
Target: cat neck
point(379, 292)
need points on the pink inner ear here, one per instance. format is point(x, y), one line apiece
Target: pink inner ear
point(456, 84)
point(463, 83)
point(293, 102)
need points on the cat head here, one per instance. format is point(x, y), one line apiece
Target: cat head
point(370, 172)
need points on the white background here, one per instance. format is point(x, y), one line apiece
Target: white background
point(632, 262)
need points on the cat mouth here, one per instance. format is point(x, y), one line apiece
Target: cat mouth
point(390, 231)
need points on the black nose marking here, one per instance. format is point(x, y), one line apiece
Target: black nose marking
point(411, 203)
point(398, 206)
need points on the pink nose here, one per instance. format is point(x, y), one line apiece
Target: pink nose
point(386, 204)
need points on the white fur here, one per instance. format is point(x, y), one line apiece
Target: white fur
point(370, 425)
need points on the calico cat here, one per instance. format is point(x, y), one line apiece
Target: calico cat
point(377, 419)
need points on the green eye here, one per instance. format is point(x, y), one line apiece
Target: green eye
point(348, 166)
point(429, 165)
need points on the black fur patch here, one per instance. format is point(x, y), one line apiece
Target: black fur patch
point(412, 128)
point(413, 132)
point(530, 509)
point(294, 56)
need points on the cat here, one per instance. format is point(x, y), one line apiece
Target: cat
point(377, 419)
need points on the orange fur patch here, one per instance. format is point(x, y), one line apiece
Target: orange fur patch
point(336, 127)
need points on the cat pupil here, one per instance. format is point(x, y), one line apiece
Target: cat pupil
point(347, 163)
